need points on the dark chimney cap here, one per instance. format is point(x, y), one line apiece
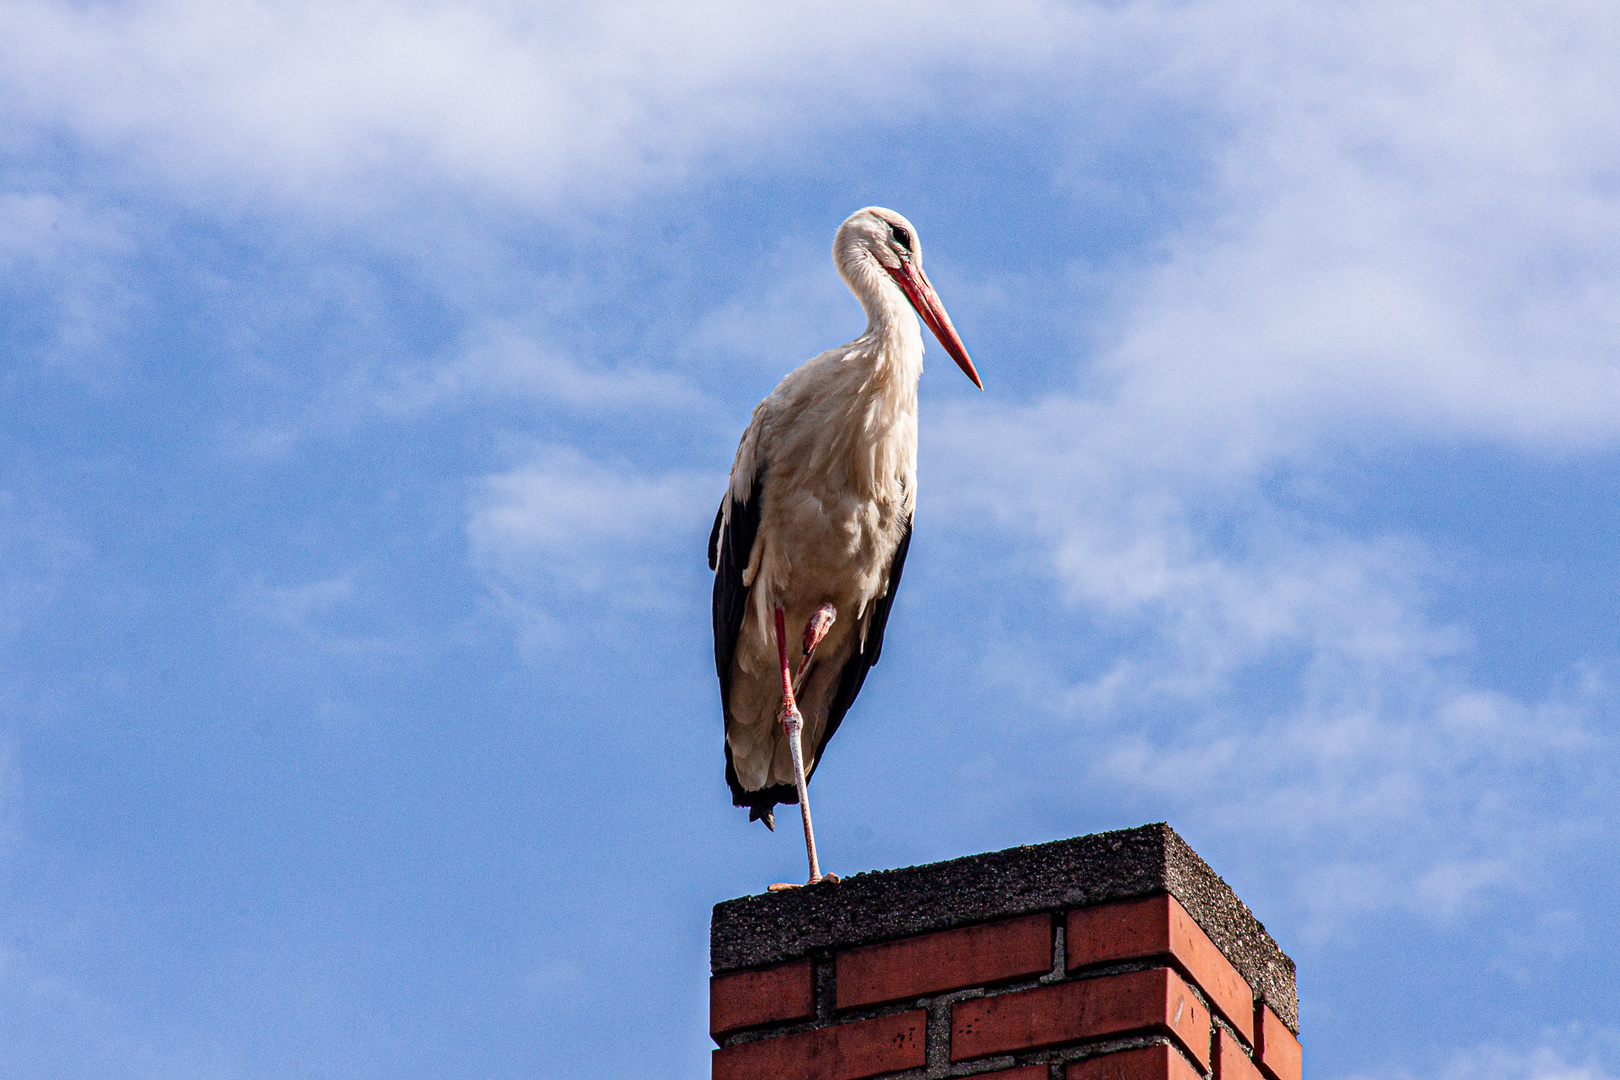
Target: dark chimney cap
point(771, 928)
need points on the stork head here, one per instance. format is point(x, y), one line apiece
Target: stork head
point(878, 249)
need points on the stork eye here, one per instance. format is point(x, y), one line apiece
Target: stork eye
point(902, 236)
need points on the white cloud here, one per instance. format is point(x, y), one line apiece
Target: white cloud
point(1414, 244)
point(1568, 1053)
point(1414, 219)
point(1415, 212)
point(325, 613)
point(60, 278)
point(297, 605)
point(1420, 226)
point(1412, 236)
point(804, 309)
point(494, 362)
point(523, 101)
point(549, 981)
point(563, 530)
point(1268, 676)
point(504, 360)
point(38, 550)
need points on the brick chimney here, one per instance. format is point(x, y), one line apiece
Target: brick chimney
point(1118, 956)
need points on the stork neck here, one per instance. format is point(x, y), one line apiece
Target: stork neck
point(891, 324)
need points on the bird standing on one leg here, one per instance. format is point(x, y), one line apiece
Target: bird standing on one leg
point(814, 529)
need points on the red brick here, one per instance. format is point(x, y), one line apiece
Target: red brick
point(1160, 926)
point(1145, 1063)
point(1084, 1009)
point(840, 1052)
point(950, 960)
point(1231, 1060)
point(1027, 1072)
point(1277, 1051)
point(773, 996)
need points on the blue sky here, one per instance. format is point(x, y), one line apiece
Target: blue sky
point(370, 374)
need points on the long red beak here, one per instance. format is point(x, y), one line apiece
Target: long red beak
point(911, 278)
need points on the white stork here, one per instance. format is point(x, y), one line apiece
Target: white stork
point(814, 529)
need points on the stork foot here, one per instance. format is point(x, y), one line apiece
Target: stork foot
point(816, 629)
point(784, 886)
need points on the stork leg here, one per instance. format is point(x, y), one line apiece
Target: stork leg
point(793, 720)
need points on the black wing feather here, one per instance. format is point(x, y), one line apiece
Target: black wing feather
point(731, 543)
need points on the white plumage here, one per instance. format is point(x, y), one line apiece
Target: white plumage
point(819, 512)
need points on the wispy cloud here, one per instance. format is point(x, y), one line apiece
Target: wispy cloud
point(38, 550)
point(800, 309)
point(1567, 1053)
point(504, 360)
point(1418, 236)
point(295, 605)
point(1414, 245)
point(563, 530)
point(60, 279)
point(311, 98)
